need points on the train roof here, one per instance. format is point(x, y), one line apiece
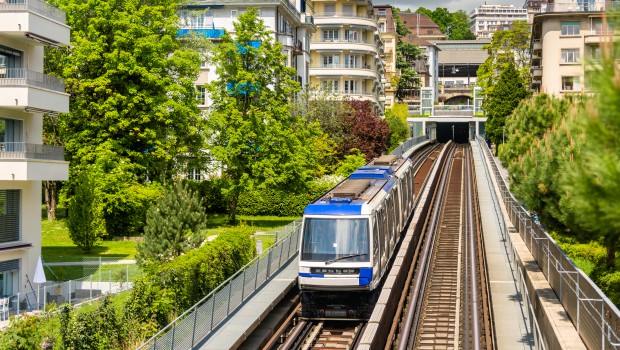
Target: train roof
point(354, 195)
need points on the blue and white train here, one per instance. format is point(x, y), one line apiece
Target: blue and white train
point(348, 236)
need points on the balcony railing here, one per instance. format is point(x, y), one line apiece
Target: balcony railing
point(343, 41)
point(342, 65)
point(21, 150)
point(344, 14)
point(580, 6)
point(209, 33)
point(36, 6)
point(24, 77)
point(290, 6)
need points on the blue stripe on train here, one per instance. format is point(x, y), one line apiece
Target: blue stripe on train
point(365, 276)
point(305, 274)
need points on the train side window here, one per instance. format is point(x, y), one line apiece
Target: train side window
point(384, 236)
point(375, 239)
point(399, 213)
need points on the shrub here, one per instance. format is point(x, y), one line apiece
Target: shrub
point(211, 193)
point(125, 210)
point(86, 223)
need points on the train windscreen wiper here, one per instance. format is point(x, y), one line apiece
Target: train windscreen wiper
point(344, 257)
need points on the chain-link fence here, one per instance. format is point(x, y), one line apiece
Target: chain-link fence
point(595, 317)
point(197, 322)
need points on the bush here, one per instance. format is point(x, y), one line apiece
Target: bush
point(86, 223)
point(125, 210)
point(211, 193)
point(282, 203)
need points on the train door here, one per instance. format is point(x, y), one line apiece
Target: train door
point(376, 250)
point(398, 214)
point(383, 236)
point(390, 222)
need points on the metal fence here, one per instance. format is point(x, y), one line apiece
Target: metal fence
point(200, 320)
point(408, 144)
point(22, 150)
point(595, 317)
point(103, 278)
point(24, 77)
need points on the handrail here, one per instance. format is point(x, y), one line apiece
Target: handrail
point(22, 150)
point(20, 77)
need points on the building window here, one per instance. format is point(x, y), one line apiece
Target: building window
point(351, 35)
point(330, 35)
point(596, 26)
point(570, 84)
point(201, 95)
point(330, 85)
point(570, 55)
point(330, 10)
point(194, 174)
point(331, 61)
point(9, 271)
point(234, 13)
point(352, 61)
point(9, 215)
point(382, 27)
point(347, 10)
point(569, 28)
point(594, 52)
point(381, 12)
point(351, 87)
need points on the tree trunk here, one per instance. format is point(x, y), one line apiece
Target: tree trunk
point(232, 216)
point(51, 199)
point(610, 259)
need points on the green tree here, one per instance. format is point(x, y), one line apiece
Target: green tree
point(455, 25)
point(396, 118)
point(507, 47)
point(351, 163)
point(131, 80)
point(401, 28)
point(173, 225)
point(254, 133)
point(593, 184)
point(86, 223)
point(501, 102)
point(406, 56)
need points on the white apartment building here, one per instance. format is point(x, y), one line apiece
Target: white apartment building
point(290, 22)
point(487, 19)
point(387, 30)
point(25, 94)
point(565, 38)
point(347, 52)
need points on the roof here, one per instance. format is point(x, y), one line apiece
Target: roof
point(420, 24)
point(463, 56)
point(416, 40)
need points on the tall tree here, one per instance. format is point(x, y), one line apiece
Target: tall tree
point(406, 56)
point(86, 223)
point(396, 117)
point(455, 25)
point(131, 80)
point(507, 47)
point(173, 225)
point(502, 100)
point(370, 132)
point(255, 135)
point(593, 184)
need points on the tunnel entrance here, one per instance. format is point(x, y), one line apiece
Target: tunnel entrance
point(461, 132)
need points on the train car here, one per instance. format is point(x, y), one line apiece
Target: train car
point(348, 236)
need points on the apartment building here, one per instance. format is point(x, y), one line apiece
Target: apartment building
point(346, 51)
point(25, 95)
point(290, 22)
point(565, 38)
point(387, 30)
point(487, 19)
point(533, 7)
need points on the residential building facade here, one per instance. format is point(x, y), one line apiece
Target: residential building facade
point(291, 23)
point(566, 37)
point(387, 30)
point(459, 61)
point(427, 67)
point(346, 52)
point(487, 19)
point(25, 95)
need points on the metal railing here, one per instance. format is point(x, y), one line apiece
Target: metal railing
point(290, 6)
point(344, 14)
point(24, 77)
point(408, 144)
point(199, 321)
point(580, 6)
point(594, 316)
point(102, 279)
point(344, 65)
point(344, 41)
point(36, 6)
point(22, 150)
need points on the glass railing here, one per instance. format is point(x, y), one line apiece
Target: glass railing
point(35, 6)
point(209, 33)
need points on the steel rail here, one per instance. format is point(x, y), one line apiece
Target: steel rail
point(472, 257)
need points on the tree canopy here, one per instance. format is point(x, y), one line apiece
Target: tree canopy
point(254, 133)
point(455, 25)
point(131, 80)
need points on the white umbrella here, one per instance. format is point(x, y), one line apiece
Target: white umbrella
point(39, 277)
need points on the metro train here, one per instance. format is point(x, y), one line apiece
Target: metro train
point(348, 236)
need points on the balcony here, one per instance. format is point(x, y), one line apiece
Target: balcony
point(209, 33)
point(339, 18)
point(537, 44)
point(578, 6)
point(600, 36)
point(338, 70)
point(33, 20)
point(21, 88)
point(340, 45)
point(29, 162)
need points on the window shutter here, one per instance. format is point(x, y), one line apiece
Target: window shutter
point(9, 215)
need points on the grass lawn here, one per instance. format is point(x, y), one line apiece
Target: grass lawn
point(57, 246)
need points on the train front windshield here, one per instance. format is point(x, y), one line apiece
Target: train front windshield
point(345, 240)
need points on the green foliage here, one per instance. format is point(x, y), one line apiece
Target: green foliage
point(173, 225)
point(281, 202)
point(396, 118)
point(502, 101)
point(254, 134)
point(213, 199)
point(455, 25)
point(401, 28)
point(131, 81)
point(593, 182)
point(351, 163)
point(507, 46)
point(86, 223)
point(406, 56)
point(25, 333)
point(609, 282)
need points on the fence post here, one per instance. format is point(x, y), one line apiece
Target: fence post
point(99, 269)
point(243, 287)
point(268, 264)
point(127, 276)
point(110, 279)
point(18, 301)
point(44, 297)
point(69, 293)
point(91, 288)
point(229, 293)
point(194, 327)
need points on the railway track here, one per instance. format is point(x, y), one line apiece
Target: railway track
point(445, 296)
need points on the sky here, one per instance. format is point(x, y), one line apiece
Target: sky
point(451, 5)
